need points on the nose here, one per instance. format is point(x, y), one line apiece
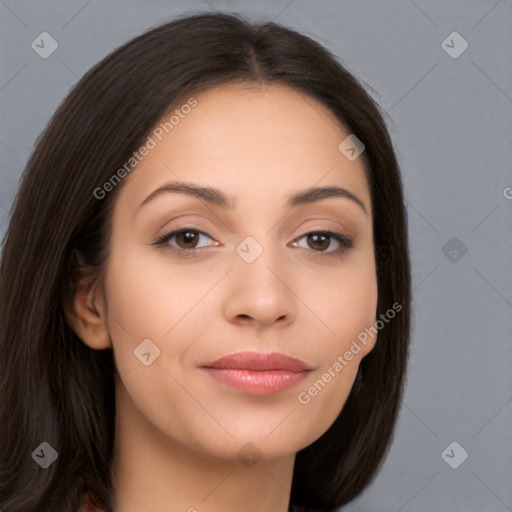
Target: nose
point(260, 293)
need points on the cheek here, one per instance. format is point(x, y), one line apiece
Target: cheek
point(148, 296)
point(143, 304)
point(152, 302)
point(347, 305)
point(344, 300)
point(154, 298)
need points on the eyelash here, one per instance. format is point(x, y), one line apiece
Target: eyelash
point(344, 241)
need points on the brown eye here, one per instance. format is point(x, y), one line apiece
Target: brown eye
point(186, 242)
point(187, 239)
point(320, 241)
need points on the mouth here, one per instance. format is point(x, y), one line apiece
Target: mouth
point(258, 373)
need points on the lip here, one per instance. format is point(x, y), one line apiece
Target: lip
point(258, 373)
point(258, 361)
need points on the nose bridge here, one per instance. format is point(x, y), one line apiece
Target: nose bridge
point(261, 259)
point(259, 288)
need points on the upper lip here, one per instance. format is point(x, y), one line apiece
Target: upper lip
point(258, 361)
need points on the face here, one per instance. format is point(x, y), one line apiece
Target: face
point(202, 280)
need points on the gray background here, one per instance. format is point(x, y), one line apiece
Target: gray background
point(451, 123)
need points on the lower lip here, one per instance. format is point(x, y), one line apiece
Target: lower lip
point(258, 382)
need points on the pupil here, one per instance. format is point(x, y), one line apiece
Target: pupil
point(324, 237)
point(188, 236)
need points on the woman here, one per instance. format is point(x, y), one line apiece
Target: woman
point(164, 346)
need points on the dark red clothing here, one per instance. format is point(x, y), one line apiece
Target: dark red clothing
point(88, 502)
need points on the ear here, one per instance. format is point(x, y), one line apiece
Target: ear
point(87, 316)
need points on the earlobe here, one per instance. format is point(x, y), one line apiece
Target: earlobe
point(88, 319)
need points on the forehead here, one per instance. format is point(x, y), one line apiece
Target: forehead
point(249, 140)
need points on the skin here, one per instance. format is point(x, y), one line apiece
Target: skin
point(178, 430)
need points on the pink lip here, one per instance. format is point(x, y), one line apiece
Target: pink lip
point(258, 373)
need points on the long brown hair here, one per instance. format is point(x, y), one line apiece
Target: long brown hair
point(55, 389)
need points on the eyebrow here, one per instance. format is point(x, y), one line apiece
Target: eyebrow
point(218, 198)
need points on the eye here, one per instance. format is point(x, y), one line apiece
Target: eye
point(319, 241)
point(187, 240)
